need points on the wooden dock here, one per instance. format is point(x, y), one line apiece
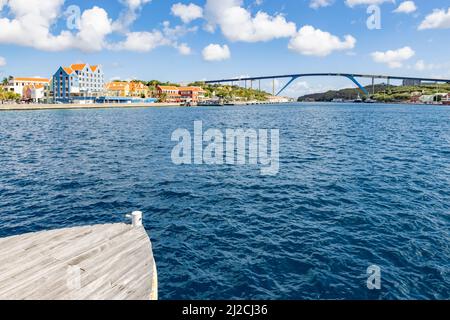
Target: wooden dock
point(101, 262)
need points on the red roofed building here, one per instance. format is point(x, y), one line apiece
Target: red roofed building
point(169, 94)
point(192, 94)
point(174, 94)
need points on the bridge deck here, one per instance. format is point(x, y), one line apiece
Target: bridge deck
point(300, 75)
point(102, 262)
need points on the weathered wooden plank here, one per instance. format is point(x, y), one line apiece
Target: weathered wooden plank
point(97, 262)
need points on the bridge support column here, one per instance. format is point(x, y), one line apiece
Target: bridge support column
point(373, 86)
point(364, 90)
point(287, 85)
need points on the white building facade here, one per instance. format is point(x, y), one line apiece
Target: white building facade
point(17, 84)
point(78, 83)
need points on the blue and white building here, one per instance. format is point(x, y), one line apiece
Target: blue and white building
point(79, 83)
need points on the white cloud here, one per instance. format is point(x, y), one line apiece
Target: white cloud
point(141, 41)
point(146, 41)
point(213, 11)
point(33, 19)
point(438, 19)
point(187, 13)
point(173, 33)
point(184, 49)
point(393, 58)
point(2, 61)
point(352, 3)
point(406, 7)
point(29, 23)
point(316, 4)
point(129, 15)
point(238, 24)
point(94, 27)
point(216, 52)
point(315, 42)
point(135, 4)
point(422, 66)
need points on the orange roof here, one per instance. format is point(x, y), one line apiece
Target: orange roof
point(137, 86)
point(68, 70)
point(169, 88)
point(78, 67)
point(197, 89)
point(32, 79)
point(94, 68)
point(116, 85)
point(34, 86)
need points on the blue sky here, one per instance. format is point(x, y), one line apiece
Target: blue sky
point(205, 39)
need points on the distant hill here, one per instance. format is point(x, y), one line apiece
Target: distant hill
point(230, 93)
point(383, 93)
point(346, 94)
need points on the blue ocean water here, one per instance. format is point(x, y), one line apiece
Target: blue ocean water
point(358, 185)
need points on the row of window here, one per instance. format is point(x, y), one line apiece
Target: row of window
point(90, 75)
point(66, 84)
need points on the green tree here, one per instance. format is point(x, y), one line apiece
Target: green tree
point(2, 95)
point(163, 97)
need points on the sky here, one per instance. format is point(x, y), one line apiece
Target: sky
point(183, 41)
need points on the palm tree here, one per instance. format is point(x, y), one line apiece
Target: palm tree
point(163, 97)
point(2, 95)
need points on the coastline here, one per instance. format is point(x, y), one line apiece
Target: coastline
point(30, 107)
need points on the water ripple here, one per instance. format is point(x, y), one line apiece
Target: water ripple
point(358, 185)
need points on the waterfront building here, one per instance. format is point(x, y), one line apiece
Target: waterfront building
point(34, 93)
point(446, 99)
point(277, 99)
point(138, 89)
point(118, 89)
point(192, 94)
point(127, 89)
point(78, 83)
point(169, 94)
point(428, 99)
point(18, 84)
point(415, 97)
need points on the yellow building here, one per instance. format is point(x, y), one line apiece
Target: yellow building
point(127, 89)
point(138, 89)
point(118, 89)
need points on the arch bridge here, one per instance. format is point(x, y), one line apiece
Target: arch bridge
point(351, 76)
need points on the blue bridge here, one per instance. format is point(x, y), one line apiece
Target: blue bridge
point(353, 77)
